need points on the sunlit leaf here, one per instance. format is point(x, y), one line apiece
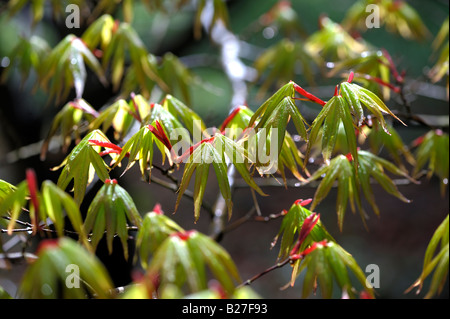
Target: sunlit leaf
point(27, 55)
point(275, 113)
point(186, 115)
point(183, 257)
point(60, 262)
point(138, 148)
point(175, 131)
point(335, 112)
point(156, 227)
point(134, 81)
point(327, 264)
point(291, 225)
point(348, 110)
point(202, 156)
point(357, 96)
point(110, 7)
point(13, 202)
point(433, 148)
point(5, 189)
point(118, 115)
point(110, 211)
point(126, 42)
point(64, 68)
point(236, 127)
point(217, 151)
point(398, 17)
point(280, 63)
point(49, 205)
point(441, 66)
point(237, 121)
point(69, 121)
point(333, 43)
point(372, 166)
point(99, 33)
point(341, 170)
point(81, 165)
point(54, 203)
point(139, 106)
point(436, 259)
point(369, 63)
point(237, 155)
point(177, 76)
point(352, 181)
point(37, 8)
point(284, 18)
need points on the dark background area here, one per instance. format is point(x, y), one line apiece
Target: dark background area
point(396, 241)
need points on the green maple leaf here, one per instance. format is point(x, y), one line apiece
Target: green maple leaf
point(155, 228)
point(214, 151)
point(433, 148)
point(329, 263)
point(183, 257)
point(81, 165)
point(436, 258)
point(46, 278)
point(109, 211)
point(352, 181)
point(69, 121)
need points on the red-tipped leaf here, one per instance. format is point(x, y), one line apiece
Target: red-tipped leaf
point(308, 95)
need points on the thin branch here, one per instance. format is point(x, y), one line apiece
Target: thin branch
point(26, 224)
point(405, 102)
point(295, 183)
point(240, 221)
point(248, 217)
point(276, 266)
point(294, 256)
point(167, 172)
point(17, 256)
point(430, 121)
point(30, 229)
point(17, 230)
point(255, 201)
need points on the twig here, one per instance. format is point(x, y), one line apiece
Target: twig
point(167, 172)
point(255, 201)
point(17, 230)
point(248, 216)
point(30, 228)
point(17, 256)
point(405, 102)
point(419, 119)
point(26, 224)
point(295, 183)
point(276, 266)
point(240, 221)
